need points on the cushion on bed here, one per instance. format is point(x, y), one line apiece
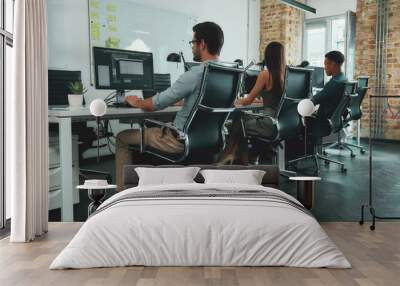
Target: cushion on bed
point(248, 177)
point(166, 176)
point(270, 179)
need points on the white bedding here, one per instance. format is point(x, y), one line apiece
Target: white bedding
point(200, 231)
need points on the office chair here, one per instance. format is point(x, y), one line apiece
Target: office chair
point(355, 100)
point(322, 127)
point(202, 133)
point(356, 109)
point(287, 122)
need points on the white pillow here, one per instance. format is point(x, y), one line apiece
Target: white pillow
point(248, 177)
point(166, 176)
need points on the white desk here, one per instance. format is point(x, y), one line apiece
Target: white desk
point(64, 116)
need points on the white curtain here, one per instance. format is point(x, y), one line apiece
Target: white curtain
point(26, 124)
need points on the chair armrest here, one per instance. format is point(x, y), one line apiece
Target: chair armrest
point(157, 123)
point(214, 110)
point(260, 115)
point(162, 125)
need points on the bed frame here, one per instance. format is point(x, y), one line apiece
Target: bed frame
point(270, 179)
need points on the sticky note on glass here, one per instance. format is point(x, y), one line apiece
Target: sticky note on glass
point(111, 7)
point(94, 4)
point(94, 16)
point(112, 42)
point(95, 31)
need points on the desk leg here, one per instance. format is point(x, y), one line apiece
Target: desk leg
point(282, 163)
point(65, 141)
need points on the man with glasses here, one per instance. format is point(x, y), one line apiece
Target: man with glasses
point(208, 39)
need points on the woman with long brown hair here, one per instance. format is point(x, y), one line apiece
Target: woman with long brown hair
point(269, 85)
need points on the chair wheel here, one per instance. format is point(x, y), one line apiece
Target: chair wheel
point(361, 222)
point(352, 155)
point(362, 151)
point(372, 227)
point(327, 163)
point(344, 170)
point(324, 153)
point(341, 148)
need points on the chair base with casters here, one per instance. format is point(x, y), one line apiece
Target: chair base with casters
point(257, 147)
point(340, 144)
point(316, 157)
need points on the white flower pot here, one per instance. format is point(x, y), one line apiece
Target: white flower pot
point(75, 100)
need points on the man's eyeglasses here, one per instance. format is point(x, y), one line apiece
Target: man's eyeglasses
point(191, 43)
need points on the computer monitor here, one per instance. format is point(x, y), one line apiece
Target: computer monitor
point(249, 80)
point(122, 70)
point(317, 77)
point(58, 83)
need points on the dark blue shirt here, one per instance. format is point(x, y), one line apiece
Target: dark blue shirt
point(329, 97)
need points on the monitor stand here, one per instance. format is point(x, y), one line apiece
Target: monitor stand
point(120, 99)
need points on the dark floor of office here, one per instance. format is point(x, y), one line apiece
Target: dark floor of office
point(338, 196)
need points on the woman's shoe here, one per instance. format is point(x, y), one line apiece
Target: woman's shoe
point(227, 160)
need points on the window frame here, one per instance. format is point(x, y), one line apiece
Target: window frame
point(6, 39)
point(326, 22)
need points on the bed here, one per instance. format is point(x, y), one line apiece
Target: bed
point(197, 224)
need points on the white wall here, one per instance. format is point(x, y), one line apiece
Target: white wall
point(327, 8)
point(68, 32)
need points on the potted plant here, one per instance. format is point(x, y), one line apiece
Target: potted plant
point(75, 97)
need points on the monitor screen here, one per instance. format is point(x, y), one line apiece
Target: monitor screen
point(318, 77)
point(130, 68)
point(122, 69)
point(250, 78)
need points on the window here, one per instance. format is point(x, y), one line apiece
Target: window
point(323, 35)
point(338, 35)
point(316, 44)
point(6, 43)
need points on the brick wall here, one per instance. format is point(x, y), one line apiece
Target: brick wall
point(282, 23)
point(365, 64)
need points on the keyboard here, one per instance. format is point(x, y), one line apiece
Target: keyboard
point(120, 105)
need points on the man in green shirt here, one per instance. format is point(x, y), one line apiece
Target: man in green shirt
point(329, 97)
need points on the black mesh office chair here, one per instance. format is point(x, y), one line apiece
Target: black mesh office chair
point(287, 122)
point(202, 133)
point(355, 110)
point(319, 127)
point(355, 102)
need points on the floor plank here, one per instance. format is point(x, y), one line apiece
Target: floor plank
point(375, 257)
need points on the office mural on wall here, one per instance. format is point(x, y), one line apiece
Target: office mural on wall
point(130, 25)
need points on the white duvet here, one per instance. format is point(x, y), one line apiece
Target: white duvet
point(200, 231)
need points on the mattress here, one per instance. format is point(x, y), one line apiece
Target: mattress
point(201, 225)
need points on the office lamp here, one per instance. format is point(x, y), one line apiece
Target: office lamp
point(98, 108)
point(177, 58)
point(305, 108)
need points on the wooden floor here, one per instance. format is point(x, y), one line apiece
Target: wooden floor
point(375, 257)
